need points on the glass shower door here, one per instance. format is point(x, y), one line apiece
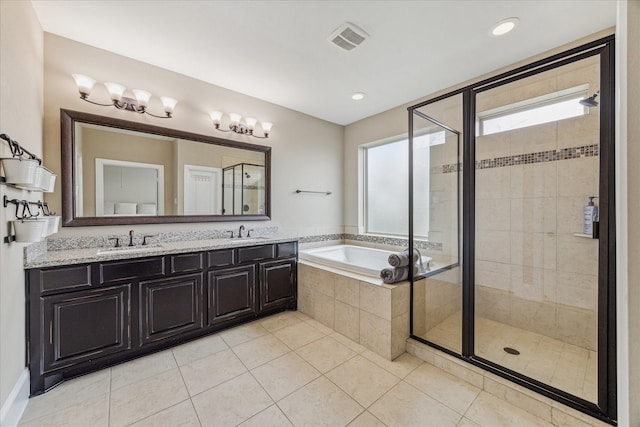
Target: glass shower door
point(435, 223)
point(536, 263)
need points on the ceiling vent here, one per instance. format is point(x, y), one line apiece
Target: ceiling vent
point(348, 36)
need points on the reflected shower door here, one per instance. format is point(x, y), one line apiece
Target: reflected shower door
point(435, 222)
point(536, 265)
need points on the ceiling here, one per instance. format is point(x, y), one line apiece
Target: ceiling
point(279, 51)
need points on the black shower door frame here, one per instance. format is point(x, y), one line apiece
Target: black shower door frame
point(606, 407)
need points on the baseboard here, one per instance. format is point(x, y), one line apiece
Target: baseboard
point(16, 403)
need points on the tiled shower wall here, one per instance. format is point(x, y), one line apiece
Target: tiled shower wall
point(532, 272)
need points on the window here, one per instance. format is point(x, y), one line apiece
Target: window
point(386, 185)
point(535, 111)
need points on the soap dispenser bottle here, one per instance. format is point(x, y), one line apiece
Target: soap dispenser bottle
point(590, 215)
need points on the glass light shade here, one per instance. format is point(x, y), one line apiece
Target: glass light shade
point(251, 122)
point(168, 103)
point(85, 84)
point(142, 96)
point(266, 127)
point(115, 90)
point(235, 118)
point(216, 117)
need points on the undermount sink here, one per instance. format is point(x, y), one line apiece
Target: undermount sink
point(248, 239)
point(129, 249)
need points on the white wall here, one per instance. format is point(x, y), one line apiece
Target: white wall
point(306, 152)
point(21, 104)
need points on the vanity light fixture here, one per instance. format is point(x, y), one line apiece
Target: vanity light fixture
point(116, 91)
point(237, 125)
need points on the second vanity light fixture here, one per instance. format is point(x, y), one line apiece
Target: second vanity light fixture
point(238, 126)
point(116, 91)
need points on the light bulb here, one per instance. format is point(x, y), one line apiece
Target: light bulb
point(169, 104)
point(216, 117)
point(266, 127)
point(85, 84)
point(235, 118)
point(142, 96)
point(115, 90)
point(251, 122)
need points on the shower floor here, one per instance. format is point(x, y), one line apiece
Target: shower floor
point(564, 366)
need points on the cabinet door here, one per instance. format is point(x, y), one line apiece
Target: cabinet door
point(231, 294)
point(278, 284)
point(170, 307)
point(85, 325)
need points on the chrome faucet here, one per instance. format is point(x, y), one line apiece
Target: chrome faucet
point(240, 231)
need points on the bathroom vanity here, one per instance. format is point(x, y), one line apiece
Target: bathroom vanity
point(89, 312)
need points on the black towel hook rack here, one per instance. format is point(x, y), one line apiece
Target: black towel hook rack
point(315, 192)
point(17, 150)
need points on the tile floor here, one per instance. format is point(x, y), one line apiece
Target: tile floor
point(565, 366)
point(283, 370)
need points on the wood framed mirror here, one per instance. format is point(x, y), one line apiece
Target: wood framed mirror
point(116, 172)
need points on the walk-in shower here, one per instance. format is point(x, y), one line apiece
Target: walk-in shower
point(528, 292)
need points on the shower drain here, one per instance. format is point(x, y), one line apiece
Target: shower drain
point(511, 351)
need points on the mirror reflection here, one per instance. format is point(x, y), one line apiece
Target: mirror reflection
point(122, 171)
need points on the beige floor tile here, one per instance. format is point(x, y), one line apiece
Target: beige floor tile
point(400, 367)
point(143, 398)
point(358, 348)
point(194, 350)
point(465, 422)
point(182, 415)
point(260, 350)
point(93, 411)
point(302, 316)
point(406, 406)
point(295, 336)
point(270, 417)
point(242, 334)
point(325, 354)
point(206, 373)
point(362, 379)
point(320, 403)
point(366, 420)
point(285, 375)
point(67, 394)
point(139, 369)
point(279, 321)
point(489, 411)
point(444, 387)
point(319, 326)
point(232, 402)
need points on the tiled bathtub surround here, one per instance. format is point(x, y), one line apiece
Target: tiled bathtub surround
point(376, 316)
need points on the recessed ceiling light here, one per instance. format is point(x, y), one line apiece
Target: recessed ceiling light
point(357, 96)
point(503, 27)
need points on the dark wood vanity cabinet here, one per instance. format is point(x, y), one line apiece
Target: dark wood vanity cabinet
point(85, 317)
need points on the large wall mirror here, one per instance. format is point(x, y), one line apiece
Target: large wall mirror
point(120, 172)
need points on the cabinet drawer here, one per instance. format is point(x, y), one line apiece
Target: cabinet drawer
point(64, 278)
point(286, 250)
point(186, 262)
point(255, 253)
point(221, 258)
point(131, 269)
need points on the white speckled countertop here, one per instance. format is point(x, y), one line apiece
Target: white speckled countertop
point(80, 256)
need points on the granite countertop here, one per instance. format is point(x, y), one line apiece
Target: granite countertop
point(86, 255)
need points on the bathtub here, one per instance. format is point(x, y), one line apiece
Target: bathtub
point(357, 259)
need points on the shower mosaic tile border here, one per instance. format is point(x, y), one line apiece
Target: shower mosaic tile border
point(530, 158)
